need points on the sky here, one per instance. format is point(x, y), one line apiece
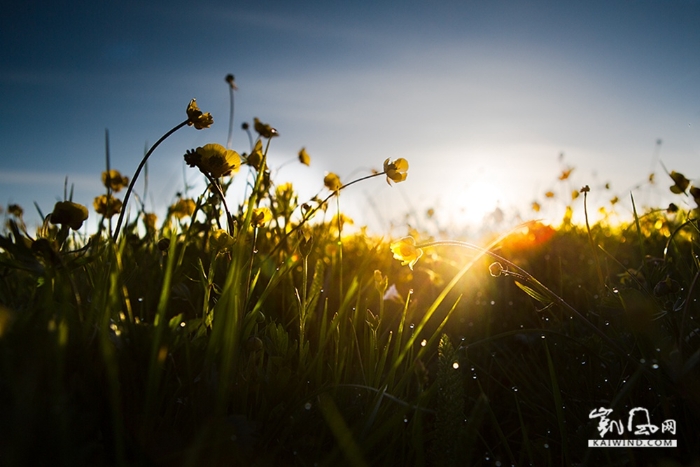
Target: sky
point(489, 101)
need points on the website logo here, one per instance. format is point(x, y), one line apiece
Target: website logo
point(639, 429)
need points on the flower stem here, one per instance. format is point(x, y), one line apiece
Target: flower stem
point(590, 240)
point(309, 214)
point(230, 121)
point(340, 244)
point(217, 188)
point(115, 235)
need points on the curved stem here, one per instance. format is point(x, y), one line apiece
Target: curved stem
point(115, 235)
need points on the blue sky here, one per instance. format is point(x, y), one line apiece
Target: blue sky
point(480, 97)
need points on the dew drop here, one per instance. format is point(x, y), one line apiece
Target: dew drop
point(455, 365)
point(307, 406)
point(423, 343)
point(655, 366)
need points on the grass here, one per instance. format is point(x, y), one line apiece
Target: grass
point(234, 337)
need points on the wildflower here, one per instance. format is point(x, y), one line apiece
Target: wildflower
point(566, 173)
point(695, 193)
point(16, 210)
point(68, 213)
point(149, 220)
point(340, 219)
point(396, 171)
point(304, 157)
point(496, 269)
point(405, 251)
point(230, 79)
point(256, 156)
point(381, 282)
point(261, 216)
point(263, 129)
point(184, 207)
point(332, 181)
point(680, 182)
point(113, 180)
point(221, 240)
point(214, 159)
point(197, 118)
point(306, 241)
point(107, 205)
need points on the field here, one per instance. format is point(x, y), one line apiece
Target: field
point(265, 334)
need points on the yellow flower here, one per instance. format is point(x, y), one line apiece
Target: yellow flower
point(343, 219)
point(107, 205)
point(306, 241)
point(405, 251)
point(680, 182)
point(149, 220)
point(566, 173)
point(261, 216)
point(68, 213)
point(396, 170)
point(381, 282)
point(184, 207)
point(263, 129)
point(332, 181)
point(304, 157)
point(221, 240)
point(113, 180)
point(214, 159)
point(197, 118)
point(256, 156)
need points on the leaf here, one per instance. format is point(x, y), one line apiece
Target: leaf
point(533, 293)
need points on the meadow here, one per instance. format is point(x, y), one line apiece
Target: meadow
point(266, 333)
